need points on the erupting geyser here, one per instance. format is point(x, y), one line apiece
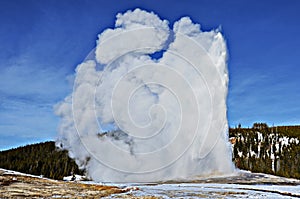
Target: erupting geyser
point(150, 103)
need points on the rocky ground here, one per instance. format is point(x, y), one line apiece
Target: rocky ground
point(18, 185)
point(241, 185)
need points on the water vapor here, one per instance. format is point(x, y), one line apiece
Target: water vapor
point(149, 103)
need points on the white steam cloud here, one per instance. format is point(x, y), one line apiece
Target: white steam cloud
point(136, 118)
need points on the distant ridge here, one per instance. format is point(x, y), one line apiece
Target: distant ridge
point(39, 159)
point(273, 150)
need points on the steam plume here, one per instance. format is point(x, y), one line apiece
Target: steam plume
point(134, 117)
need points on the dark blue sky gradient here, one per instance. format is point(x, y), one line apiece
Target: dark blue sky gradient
point(41, 43)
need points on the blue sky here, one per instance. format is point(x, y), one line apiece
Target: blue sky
point(41, 43)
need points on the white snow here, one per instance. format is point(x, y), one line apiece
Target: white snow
point(5, 171)
point(77, 178)
point(202, 190)
point(206, 190)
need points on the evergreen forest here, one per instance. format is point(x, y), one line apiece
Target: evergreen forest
point(263, 149)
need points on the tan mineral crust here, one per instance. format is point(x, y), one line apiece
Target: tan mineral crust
point(17, 185)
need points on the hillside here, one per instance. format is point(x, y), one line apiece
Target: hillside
point(263, 149)
point(39, 159)
point(273, 150)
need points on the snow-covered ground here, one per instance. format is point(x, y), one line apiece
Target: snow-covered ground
point(18, 173)
point(74, 178)
point(242, 185)
point(206, 190)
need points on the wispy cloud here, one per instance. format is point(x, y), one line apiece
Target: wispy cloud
point(28, 92)
point(266, 95)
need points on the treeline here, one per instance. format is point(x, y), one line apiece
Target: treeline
point(273, 150)
point(39, 159)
